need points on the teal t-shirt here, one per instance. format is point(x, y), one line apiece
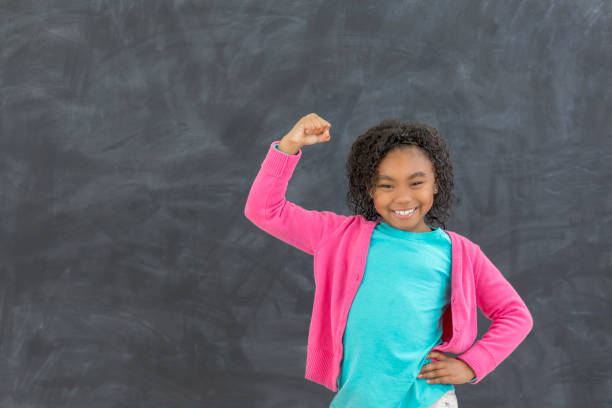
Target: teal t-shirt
point(395, 320)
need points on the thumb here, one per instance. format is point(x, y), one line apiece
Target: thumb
point(313, 139)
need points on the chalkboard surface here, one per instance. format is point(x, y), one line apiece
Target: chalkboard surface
point(131, 131)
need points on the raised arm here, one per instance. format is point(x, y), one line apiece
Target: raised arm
point(267, 208)
point(511, 320)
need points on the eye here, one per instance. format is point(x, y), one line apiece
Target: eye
point(418, 182)
point(384, 185)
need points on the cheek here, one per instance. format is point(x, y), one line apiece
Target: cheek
point(379, 203)
point(381, 198)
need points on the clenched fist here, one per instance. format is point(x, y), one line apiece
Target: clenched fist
point(309, 130)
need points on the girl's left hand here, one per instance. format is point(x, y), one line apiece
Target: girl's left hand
point(446, 370)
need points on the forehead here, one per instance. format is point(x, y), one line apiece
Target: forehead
point(404, 162)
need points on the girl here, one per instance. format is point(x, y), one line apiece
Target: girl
point(411, 287)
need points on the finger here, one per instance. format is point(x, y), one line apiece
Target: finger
point(431, 375)
point(308, 127)
point(316, 125)
point(324, 125)
point(430, 367)
point(438, 355)
point(439, 380)
point(313, 125)
point(430, 372)
point(319, 125)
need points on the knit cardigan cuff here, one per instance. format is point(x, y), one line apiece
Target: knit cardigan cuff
point(278, 163)
point(481, 361)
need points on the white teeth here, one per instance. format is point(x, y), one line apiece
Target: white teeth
point(405, 212)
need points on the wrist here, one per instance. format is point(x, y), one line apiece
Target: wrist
point(288, 147)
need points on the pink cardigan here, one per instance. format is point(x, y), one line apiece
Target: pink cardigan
point(339, 245)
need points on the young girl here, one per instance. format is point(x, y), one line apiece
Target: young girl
point(393, 291)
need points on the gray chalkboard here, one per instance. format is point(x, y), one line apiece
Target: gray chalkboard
point(131, 131)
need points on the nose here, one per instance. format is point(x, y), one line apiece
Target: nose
point(403, 196)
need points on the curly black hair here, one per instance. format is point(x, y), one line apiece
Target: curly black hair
point(371, 147)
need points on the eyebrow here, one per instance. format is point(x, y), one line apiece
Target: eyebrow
point(413, 175)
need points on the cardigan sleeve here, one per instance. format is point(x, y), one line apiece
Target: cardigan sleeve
point(267, 208)
point(511, 320)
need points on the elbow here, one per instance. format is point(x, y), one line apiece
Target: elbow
point(521, 318)
point(253, 213)
point(524, 320)
point(529, 322)
point(249, 213)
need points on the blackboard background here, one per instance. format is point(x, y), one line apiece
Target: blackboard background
point(131, 131)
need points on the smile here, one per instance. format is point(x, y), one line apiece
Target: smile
point(404, 214)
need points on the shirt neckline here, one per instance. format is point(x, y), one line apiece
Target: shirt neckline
point(398, 233)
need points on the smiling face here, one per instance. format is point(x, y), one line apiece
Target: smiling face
point(405, 180)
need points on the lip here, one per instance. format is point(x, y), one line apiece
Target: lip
point(403, 217)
